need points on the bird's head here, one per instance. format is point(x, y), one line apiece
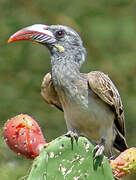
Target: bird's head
point(61, 40)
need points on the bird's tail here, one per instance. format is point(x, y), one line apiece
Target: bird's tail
point(120, 142)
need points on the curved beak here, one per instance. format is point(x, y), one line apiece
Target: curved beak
point(38, 32)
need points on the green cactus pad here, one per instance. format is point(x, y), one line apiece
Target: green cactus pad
point(59, 161)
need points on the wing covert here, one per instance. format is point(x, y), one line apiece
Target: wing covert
point(101, 84)
point(49, 93)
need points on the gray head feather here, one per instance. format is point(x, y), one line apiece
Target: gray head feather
point(74, 50)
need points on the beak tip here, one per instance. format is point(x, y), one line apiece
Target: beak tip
point(9, 40)
point(12, 38)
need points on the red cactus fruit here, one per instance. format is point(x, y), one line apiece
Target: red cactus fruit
point(24, 136)
point(124, 164)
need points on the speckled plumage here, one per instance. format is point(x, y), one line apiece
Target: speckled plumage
point(91, 103)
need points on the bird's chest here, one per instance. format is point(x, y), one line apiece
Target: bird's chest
point(85, 112)
point(71, 87)
point(90, 117)
point(71, 91)
point(79, 102)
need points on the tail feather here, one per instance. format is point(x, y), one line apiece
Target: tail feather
point(120, 142)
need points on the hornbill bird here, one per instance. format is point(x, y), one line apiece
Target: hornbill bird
point(91, 103)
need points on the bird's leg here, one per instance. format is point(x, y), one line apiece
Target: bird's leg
point(98, 154)
point(99, 149)
point(73, 136)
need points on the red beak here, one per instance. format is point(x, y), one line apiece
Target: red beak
point(37, 32)
point(20, 35)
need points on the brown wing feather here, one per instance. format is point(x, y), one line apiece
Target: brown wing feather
point(101, 84)
point(48, 92)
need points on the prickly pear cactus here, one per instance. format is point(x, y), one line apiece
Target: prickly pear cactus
point(61, 161)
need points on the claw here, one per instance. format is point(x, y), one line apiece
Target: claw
point(98, 154)
point(98, 151)
point(73, 136)
point(112, 158)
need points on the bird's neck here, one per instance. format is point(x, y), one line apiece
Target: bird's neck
point(66, 76)
point(64, 68)
point(65, 71)
point(71, 56)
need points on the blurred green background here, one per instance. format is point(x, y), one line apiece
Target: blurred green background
point(108, 29)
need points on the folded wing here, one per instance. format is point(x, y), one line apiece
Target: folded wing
point(49, 93)
point(101, 84)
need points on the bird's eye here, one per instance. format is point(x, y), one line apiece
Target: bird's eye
point(60, 33)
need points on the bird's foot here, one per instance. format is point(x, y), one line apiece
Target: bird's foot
point(98, 150)
point(73, 136)
point(98, 154)
point(111, 158)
